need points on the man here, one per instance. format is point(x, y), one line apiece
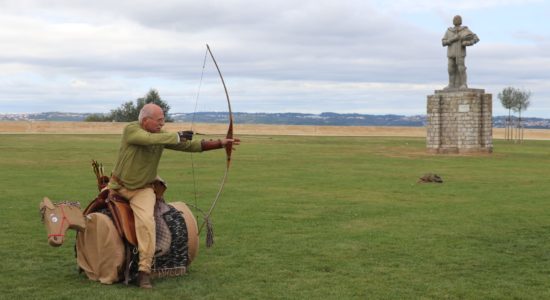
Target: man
point(136, 169)
point(457, 38)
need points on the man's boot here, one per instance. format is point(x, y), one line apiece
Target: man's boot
point(144, 280)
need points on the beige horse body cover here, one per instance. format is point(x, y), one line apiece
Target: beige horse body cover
point(100, 251)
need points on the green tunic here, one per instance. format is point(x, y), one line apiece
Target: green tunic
point(140, 152)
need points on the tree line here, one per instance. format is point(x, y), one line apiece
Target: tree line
point(129, 111)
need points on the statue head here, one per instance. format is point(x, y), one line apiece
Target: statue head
point(457, 20)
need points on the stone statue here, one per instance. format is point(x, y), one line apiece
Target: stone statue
point(457, 38)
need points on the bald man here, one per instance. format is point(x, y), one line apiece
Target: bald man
point(136, 169)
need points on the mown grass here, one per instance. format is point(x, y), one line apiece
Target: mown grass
point(304, 218)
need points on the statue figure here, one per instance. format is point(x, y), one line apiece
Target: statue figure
point(457, 38)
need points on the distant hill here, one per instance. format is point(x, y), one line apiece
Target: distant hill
point(45, 116)
point(327, 118)
point(332, 119)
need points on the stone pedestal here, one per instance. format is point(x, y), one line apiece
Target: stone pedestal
point(460, 121)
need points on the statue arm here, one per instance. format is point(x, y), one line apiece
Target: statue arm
point(448, 39)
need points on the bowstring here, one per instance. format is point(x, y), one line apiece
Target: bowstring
point(192, 129)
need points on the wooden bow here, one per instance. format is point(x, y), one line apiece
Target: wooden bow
point(228, 149)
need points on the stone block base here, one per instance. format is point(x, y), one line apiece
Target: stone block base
point(460, 121)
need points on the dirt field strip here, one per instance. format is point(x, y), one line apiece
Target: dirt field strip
point(12, 127)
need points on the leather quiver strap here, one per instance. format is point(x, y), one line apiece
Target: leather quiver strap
point(211, 145)
point(123, 217)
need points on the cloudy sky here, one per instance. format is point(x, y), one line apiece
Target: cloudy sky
point(311, 56)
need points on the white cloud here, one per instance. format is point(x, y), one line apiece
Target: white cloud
point(309, 56)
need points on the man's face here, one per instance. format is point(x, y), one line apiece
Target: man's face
point(154, 123)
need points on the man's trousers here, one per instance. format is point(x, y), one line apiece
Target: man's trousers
point(142, 202)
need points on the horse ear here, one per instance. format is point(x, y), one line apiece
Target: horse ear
point(47, 202)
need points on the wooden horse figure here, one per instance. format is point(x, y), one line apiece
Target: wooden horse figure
point(102, 252)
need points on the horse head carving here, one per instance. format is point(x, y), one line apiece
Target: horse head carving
point(59, 217)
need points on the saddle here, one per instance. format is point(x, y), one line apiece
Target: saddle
point(122, 215)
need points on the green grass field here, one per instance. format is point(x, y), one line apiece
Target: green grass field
point(304, 218)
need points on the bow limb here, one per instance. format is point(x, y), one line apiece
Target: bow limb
point(229, 135)
point(228, 146)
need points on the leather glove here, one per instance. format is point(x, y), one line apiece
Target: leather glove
point(186, 135)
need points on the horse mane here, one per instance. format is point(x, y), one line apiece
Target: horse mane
point(69, 203)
